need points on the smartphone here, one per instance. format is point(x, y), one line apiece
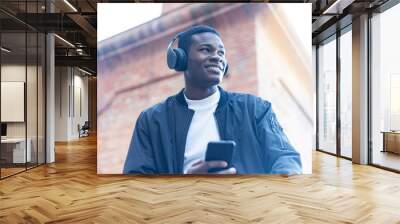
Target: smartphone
point(220, 150)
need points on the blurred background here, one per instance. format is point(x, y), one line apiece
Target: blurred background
point(268, 47)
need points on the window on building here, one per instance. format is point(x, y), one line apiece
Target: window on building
point(385, 84)
point(346, 93)
point(327, 96)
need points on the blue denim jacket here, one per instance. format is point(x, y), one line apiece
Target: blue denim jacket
point(159, 138)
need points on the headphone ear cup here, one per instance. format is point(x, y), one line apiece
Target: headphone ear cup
point(226, 69)
point(181, 61)
point(172, 58)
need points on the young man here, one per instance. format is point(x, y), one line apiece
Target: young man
point(172, 136)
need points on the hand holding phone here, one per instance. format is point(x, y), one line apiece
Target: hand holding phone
point(220, 151)
point(218, 159)
point(203, 167)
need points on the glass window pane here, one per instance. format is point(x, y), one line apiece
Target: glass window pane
point(31, 100)
point(327, 97)
point(14, 153)
point(346, 94)
point(41, 98)
point(386, 89)
point(23, 89)
point(31, 84)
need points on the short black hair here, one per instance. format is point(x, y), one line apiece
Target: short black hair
point(185, 37)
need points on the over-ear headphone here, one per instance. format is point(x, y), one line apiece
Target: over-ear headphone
point(177, 57)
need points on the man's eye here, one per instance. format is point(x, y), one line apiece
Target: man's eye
point(205, 50)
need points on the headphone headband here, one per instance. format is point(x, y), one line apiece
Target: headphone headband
point(173, 40)
point(177, 57)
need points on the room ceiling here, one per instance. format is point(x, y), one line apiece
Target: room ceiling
point(328, 13)
point(76, 22)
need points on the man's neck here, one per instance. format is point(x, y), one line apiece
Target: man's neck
point(196, 93)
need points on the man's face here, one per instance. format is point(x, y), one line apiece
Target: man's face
point(206, 60)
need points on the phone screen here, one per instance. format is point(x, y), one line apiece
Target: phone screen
point(220, 150)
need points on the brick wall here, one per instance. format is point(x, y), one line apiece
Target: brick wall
point(138, 78)
point(167, 7)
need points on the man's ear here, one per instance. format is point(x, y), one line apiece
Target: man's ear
point(226, 70)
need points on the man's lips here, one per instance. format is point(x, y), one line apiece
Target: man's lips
point(214, 66)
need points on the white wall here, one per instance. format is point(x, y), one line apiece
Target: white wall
point(61, 103)
point(71, 93)
point(284, 73)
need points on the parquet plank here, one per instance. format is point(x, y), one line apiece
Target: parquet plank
point(70, 191)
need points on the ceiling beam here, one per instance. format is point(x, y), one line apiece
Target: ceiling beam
point(84, 61)
point(86, 26)
point(337, 7)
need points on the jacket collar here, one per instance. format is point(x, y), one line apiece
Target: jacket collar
point(222, 100)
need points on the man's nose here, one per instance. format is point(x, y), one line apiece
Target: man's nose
point(217, 58)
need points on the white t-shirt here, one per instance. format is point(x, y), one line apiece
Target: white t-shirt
point(202, 130)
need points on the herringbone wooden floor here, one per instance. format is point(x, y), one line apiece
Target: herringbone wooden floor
point(70, 191)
